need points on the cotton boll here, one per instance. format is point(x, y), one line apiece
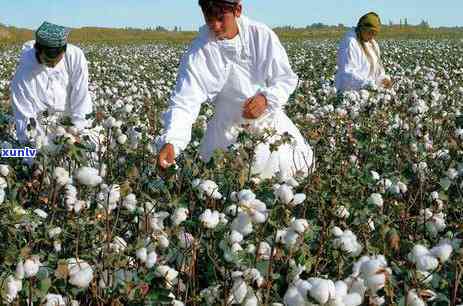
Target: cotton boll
point(130, 202)
point(52, 233)
point(151, 259)
point(4, 170)
point(322, 290)
point(80, 273)
point(285, 194)
point(413, 299)
point(242, 224)
point(88, 176)
point(61, 176)
point(179, 215)
point(374, 175)
point(442, 252)
point(54, 300)
point(57, 246)
point(352, 299)
point(245, 195)
point(168, 273)
point(121, 139)
point(2, 196)
point(337, 232)
point(418, 251)
point(40, 213)
point(299, 226)
point(298, 199)
point(210, 219)
point(238, 291)
point(236, 237)
point(142, 254)
point(342, 212)
point(31, 267)
point(376, 199)
point(19, 274)
point(13, 286)
point(3, 183)
point(341, 288)
point(293, 297)
point(186, 240)
point(118, 245)
point(427, 263)
point(264, 251)
point(375, 282)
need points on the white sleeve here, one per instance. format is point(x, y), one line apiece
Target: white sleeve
point(198, 81)
point(22, 100)
point(280, 79)
point(382, 73)
point(80, 103)
point(349, 64)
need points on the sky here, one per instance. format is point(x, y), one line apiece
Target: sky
point(186, 13)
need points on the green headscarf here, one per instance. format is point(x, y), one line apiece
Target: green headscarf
point(369, 21)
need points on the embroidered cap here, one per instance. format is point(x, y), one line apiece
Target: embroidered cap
point(52, 35)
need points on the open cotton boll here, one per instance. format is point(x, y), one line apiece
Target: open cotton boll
point(130, 202)
point(352, 299)
point(246, 195)
point(185, 239)
point(3, 183)
point(413, 299)
point(376, 199)
point(42, 214)
point(299, 225)
point(242, 224)
point(151, 259)
point(341, 288)
point(442, 252)
point(236, 237)
point(80, 273)
point(238, 291)
point(31, 266)
point(88, 176)
point(342, 212)
point(264, 251)
point(2, 196)
point(142, 254)
point(298, 199)
point(4, 170)
point(19, 273)
point(167, 272)
point(417, 251)
point(61, 176)
point(293, 297)
point(210, 188)
point(285, 194)
point(209, 219)
point(322, 290)
point(54, 300)
point(375, 282)
point(13, 286)
point(427, 263)
point(179, 215)
point(52, 233)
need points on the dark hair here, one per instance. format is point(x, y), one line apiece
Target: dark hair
point(216, 8)
point(50, 52)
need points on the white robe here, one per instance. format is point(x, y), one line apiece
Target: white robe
point(63, 89)
point(227, 73)
point(354, 72)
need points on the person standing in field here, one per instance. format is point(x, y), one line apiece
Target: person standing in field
point(241, 67)
point(359, 59)
point(52, 76)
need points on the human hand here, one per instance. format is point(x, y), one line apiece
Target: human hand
point(166, 156)
point(387, 83)
point(255, 106)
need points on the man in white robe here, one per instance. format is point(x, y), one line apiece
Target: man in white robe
point(52, 76)
point(359, 58)
point(241, 67)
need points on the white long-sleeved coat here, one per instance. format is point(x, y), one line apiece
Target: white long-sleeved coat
point(227, 73)
point(354, 71)
point(36, 88)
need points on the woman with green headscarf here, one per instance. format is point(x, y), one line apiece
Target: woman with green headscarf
point(358, 60)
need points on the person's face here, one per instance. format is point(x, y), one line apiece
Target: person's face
point(224, 26)
point(50, 61)
point(368, 35)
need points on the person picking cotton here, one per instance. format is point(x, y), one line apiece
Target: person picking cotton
point(359, 58)
point(241, 67)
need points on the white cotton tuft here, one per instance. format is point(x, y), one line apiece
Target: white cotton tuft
point(80, 273)
point(88, 176)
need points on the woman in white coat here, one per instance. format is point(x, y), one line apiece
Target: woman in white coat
point(241, 67)
point(359, 58)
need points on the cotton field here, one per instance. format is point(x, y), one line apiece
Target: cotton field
point(379, 221)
